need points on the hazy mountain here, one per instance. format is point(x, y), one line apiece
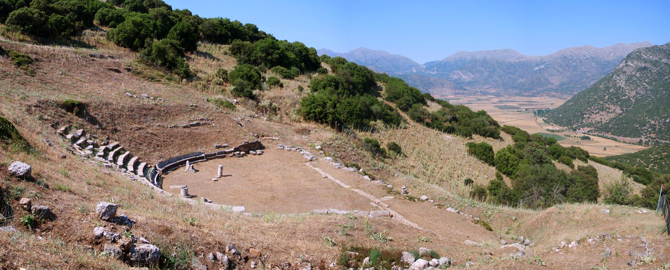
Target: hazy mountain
point(506, 71)
point(631, 101)
point(379, 61)
point(502, 72)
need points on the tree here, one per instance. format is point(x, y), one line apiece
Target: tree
point(163, 22)
point(26, 20)
point(500, 193)
point(248, 74)
point(167, 53)
point(109, 17)
point(133, 32)
point(482, 151)
point(506, 162)
point(186, 35)
point(618, 192)
point(274, 81)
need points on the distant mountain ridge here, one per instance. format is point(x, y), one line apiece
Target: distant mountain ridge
point(501, 72)
point(632, 101)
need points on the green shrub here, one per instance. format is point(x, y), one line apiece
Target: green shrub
point(322, 71)
point(29, 221)
point(2, 51)
point(506, 162)
point(567, 161)
point(168, 54)
point(286, 73)
point(186, 35)
point(248, 74)
point(394, 147)
point(9, 135)
point(468, 182)
point(373, 146)
point(274, 81)
point(482, 151)
point(20, 60)
point(479, 193)
point(618, 192)
point(223, 104)
point(222, 74)
point(133, 31)
point(583, 186)
point(73, 106)
point(109, 16)
point(500, 193)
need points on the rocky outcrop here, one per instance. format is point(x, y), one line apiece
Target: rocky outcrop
point(20, 169)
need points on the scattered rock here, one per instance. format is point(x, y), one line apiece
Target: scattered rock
point(144, 240)
point(605, 211)
point(406, 257)
point(106, 211)
point(144, 255)
point(223, 259)
point(113, 251)
point(111, 236)
point(419, 264)
point(423, 198)
point(424, 251)
point(434, 263)
point(607, 254)
point(26, 204)
point(445, 262)
point(42, 212)
point(254, 253)
point(20, 169)
point(472, 243)
point(503, 242)
point(563, 244)
point(574, 244)
point(98, 232)
point(63, 156)
point(526, 242)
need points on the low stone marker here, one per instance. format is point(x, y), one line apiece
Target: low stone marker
point(184, 192)
point(188, 166)
point(220, 172)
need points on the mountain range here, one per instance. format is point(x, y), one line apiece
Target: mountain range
point(499, 72)
point(632, 101)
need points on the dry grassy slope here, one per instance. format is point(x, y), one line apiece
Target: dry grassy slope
point(436, 165)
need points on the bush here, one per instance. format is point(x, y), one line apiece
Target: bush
point(274, 81)
point(584, 186)
point(479, 193)
point(242, 88)
point(394, 147)
point(567, 161)
point(500, 193)
point(185, 35)
point(506, 162)
point(222, 74)
point(109, 16)
point(618, 192)
point(248, 74)
point(322, 71)
point(482, 151)
point(2, 51)
point(72, 106)
point(168, 54)
point(468, 182)
point(29, 221)
point(373, 146)
point(133, 32)
point(286, 73)
point(223, 104)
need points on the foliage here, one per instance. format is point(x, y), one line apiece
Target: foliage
point(109, 16)
point(9, 135)
point(29, 221)
point(394, 147)
point(185, 35)
point(479, 193)
point(223, 104)
point(51, 19)
point(274, 81)
point(373, 146)
point(468, 182)
point(73, 106)
point(506, 162)
point(656, 158)
point(286, 73)
point(222, 74)
point(500, 193)
point(168, 54)
point(245, 78)
point(399, 92)
point(618, 192)
point(272, 53)
point(482, 151)
point(567, 161)
point(3, 52)
point(20, 60)
point(133, 32)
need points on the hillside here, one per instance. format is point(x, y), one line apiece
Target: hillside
point(212, 149)
point(508, 72)
point(631, 101)
point(656, 158)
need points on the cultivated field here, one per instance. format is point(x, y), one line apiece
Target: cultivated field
point(518, 112)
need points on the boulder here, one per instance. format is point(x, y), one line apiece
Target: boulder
point(98, 232)
point(42, 212)
point(26, 204)
point(423, 198)
point(445, 262)
point(434, 263)
point(20, 169)
point(419, 264)
point(114, 251)
point(106, 211)
point(144, 255)
point(223, 259)
point(113, 237)
point(407, 258)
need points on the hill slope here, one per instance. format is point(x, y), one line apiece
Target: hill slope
point(654, 158)
point(629, 102)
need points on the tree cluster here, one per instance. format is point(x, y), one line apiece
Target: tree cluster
point(49, 18)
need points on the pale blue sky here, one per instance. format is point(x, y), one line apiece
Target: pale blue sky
point(432, 30)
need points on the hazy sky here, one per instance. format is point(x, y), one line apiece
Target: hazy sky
point(432, 30)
